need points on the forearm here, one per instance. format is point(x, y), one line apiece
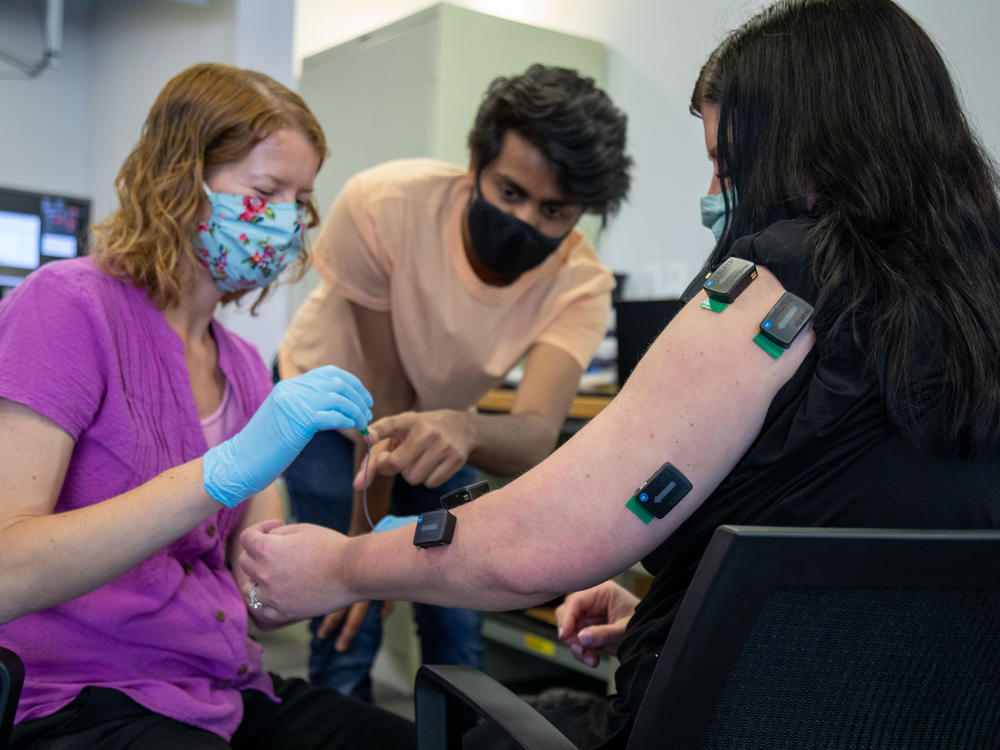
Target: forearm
point(388, 566)
point(510, 444)
point(50, 559)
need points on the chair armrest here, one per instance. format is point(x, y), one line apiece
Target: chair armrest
point(11, 680)
point(449, 697)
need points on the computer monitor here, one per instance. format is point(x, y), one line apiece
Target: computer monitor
point(637, 324)
point(36, 228)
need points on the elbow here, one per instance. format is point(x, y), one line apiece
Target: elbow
point(521, 579)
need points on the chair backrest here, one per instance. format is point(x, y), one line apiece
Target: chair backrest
point(11, 680)
point(832, 638)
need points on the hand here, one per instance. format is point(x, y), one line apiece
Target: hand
point(425, 447)
point(352, 617)
point(295, 568)
point(326, 398)
point(592, 622)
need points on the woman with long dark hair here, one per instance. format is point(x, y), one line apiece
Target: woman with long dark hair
point(852, 179)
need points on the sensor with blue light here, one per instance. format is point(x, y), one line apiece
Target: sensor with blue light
point(435, 528)
point(659, 494)
point(783, 322)
point(727, 282)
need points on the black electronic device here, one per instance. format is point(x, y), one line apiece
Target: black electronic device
point(463, 495)
point(729, 280)
point(637, 324)
point(37, 228)
point(786, 319)
point(662, 491)
point(434, 528)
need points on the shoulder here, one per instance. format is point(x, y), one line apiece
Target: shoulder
point(580, 269)
point(70, 286)
point(785, 249)
point(403, 179)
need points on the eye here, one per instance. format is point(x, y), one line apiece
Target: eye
point(264, 193)
point(509, 193)
point(554, 210)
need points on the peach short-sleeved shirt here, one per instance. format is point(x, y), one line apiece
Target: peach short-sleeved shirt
point(393, 242)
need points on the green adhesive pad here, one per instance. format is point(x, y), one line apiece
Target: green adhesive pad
point(714, 305)
point(635, 506)
point(365, 432)
point(767, 345)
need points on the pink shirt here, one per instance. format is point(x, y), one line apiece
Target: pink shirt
point(393, 242)
point(95, 355)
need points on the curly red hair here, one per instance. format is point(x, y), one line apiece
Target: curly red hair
point(208, 115)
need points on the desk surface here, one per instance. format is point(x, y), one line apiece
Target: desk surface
point(583, 406)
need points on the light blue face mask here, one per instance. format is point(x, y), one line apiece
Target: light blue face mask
point(713, 212)
point(248, 241)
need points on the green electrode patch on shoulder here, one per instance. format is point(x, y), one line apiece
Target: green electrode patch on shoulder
point(728, 281)
point(714, 305)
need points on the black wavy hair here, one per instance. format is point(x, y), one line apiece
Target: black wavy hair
point(571, 121)
point(850, 103)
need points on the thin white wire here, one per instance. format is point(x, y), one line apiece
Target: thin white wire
point(364, 492)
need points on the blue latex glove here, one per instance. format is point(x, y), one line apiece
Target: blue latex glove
point(326, 398)
point(391, 523)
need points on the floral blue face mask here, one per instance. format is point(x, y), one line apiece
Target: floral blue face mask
point(248, 241)
point(713, 212)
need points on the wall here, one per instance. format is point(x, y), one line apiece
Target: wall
point(44, 123)
point(655, 50)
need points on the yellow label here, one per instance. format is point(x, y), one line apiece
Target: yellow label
point(541, 645)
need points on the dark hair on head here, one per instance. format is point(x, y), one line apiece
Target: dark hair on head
point(572, 122)
point(850, 102)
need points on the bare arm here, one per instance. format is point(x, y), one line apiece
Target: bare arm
point(697, 399)
point(509, 444)
point(51, 558)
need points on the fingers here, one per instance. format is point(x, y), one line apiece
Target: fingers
point(368, 472)
point(602, 637)
point(584, 655)
point(421, 459)
point(330, 623)
point(341, 380)
point(352, 623)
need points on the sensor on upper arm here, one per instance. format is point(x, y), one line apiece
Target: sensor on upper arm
point(727, 282)
point(659, 494)
point(783, 322)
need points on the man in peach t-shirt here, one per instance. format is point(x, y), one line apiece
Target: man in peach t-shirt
point(437, 280)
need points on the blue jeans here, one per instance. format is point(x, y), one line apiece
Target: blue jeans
point(319, 486)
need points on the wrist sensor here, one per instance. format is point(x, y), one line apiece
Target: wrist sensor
point(435, 528)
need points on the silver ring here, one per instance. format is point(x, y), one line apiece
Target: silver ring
point(255, 603)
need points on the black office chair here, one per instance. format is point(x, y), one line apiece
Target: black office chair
point(798, 639)
point(11, 680)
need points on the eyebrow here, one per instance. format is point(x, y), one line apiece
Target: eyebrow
point(522, 191)
point(277, 181)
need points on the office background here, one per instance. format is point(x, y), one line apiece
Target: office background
point(68, 131)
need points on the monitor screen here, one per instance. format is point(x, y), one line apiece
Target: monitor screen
point(37, 228)
point(638, 323)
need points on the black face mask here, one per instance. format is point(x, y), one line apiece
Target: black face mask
point(505, 244)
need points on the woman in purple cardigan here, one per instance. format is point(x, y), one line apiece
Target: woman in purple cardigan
point(138, 438)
